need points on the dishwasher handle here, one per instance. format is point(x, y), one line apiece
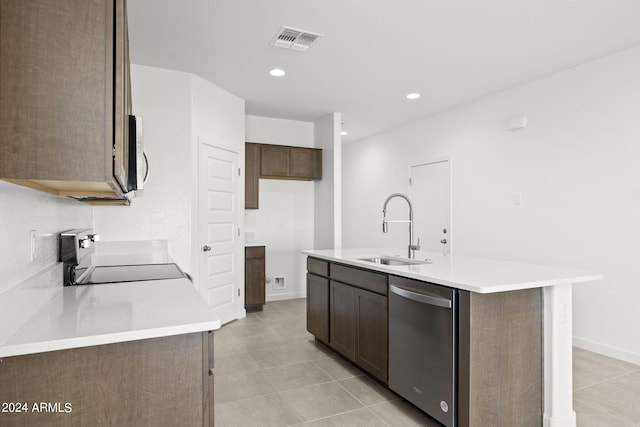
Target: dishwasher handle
point(426, 299)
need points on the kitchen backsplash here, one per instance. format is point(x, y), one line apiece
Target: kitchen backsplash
point(24, 212)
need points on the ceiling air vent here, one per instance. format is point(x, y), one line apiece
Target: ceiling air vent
point(291, 38)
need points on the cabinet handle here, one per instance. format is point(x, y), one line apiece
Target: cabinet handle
point(426, 299)
point(210, 372)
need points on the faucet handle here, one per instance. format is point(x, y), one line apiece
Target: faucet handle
point(416, 247)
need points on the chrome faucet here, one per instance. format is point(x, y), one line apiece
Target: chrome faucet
point(412, 248)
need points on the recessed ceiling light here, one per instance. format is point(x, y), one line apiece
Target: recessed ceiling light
point(413, 95)
point(277, 72)
point(344, 132)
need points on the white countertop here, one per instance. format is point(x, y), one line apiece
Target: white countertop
point(253, 244)
point(80, 316)
point(42, 315)
point(481, 275)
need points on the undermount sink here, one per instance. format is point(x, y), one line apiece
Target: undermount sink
point(387, 260)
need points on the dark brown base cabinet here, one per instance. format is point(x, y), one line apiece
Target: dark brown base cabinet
point(355, 318)
point(254, 278)
point(318, 307)
point(499, 341)
point(164, 381)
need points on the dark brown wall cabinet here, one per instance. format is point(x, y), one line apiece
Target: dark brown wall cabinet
point(164, 381)
point(64, 95)
point(252, 173)
point(278, 162)
point(350, 303)
point(254, 277)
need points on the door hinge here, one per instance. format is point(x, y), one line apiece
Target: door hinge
point(238, 231)
point(410, 182)
point(238, 171)
point(238, 291)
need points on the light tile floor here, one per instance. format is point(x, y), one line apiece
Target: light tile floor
point(271, 372)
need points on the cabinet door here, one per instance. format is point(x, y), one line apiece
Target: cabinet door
point(372, 333)
point(251, 174)
point(254, 277)
point(56, 92)
point(274, 161)
point(342, 319)
point(149, 382)
point(318, 307)
point(305, 163)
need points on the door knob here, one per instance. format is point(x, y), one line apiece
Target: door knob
point(443, 241)
point(206, 248)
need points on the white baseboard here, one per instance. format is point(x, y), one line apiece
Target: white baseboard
point(606, 350)
point(281, 297)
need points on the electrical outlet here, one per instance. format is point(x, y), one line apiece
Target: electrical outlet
point(278, 283)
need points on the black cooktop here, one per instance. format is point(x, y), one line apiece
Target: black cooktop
point(132, 273)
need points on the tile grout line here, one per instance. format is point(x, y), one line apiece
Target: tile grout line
point(598, 410)
point(326, 372)
point(363, 405)
point(606, 380)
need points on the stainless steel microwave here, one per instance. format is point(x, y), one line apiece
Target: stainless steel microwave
point(133, 171)
point(138, 170)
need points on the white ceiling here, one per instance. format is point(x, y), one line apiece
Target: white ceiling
point(374, 52)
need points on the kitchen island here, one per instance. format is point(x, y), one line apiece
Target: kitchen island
point(495, 295)
point(131, 353)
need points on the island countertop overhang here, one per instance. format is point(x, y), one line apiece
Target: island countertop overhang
point(474, 274)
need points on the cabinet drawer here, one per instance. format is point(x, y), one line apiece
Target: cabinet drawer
point(375, 282)
point(254, 252)
point(317, 266)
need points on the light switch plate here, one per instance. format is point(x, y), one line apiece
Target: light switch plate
point(32, 245)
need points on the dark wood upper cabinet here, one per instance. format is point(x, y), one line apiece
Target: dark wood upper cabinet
point(278, 162)
point(251, 175)
point(274, 161)
point(64, 96)
point(305, 163)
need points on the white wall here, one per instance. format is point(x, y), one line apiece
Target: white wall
point(267, 130)
point(22, 210)
point(284, 223)
point(163, 99)
point(576, 166)
point(328, 197)
point(177, 109)
point(218, 118)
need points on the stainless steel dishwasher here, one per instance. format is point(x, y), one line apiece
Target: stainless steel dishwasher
point(422, 346)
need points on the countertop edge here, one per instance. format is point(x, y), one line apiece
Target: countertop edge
point(111, 338)
point(397, 271)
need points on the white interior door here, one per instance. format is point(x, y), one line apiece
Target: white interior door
point(430, 193)
point(218, 230)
